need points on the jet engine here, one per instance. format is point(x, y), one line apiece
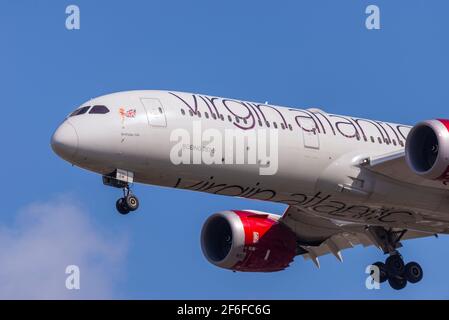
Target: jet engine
point(248, 241)
point(427, 149)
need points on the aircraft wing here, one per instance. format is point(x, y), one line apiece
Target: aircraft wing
point(318, 236)
point(394, 166)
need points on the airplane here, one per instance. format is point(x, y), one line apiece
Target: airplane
point(346, 181)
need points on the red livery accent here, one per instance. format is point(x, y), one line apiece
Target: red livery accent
point(269, 245)
point(445, 176)
point(445, 122)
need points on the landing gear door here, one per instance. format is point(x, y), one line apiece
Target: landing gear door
point(310, 134)
point(155, 112)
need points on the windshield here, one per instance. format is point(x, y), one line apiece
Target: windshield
point(79, 111)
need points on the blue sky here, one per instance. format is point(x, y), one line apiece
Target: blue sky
point(294, 53)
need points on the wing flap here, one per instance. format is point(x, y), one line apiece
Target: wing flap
point(319, 236)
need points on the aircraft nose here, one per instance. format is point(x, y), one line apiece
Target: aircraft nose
point(64, 141)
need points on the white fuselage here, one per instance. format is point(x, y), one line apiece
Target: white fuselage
point(317, 155)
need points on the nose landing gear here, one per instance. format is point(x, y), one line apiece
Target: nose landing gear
point(394, 270)
point(122, 179)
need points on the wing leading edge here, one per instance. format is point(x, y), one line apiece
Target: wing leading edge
point(393, 165)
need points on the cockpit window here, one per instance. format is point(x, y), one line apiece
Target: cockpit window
point(79, 111)
point(99, 110)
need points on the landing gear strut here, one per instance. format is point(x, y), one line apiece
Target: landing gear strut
point(122, 179)
point(394, 270)
point(127, 203)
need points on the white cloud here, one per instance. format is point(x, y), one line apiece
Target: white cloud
point(47, 237)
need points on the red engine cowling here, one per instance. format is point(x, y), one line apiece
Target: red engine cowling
point(427, 149)
point(247, 241)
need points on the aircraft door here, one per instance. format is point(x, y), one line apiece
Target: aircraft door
point(155, 112)
point(310, 134)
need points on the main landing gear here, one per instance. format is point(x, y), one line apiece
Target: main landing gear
point(394, 270)
point(127, 203)
point(397, 273)
point(121, 179)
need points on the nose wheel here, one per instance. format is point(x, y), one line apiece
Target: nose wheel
point(121, 179)
point(128, 203)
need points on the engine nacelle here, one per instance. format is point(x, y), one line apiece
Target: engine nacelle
point(247, 241)
point(427, 149)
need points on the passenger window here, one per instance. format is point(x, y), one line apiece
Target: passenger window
point(198, 114)
point(394, 142)
point(99, 110)
point(379, 139)
point(372, 139)
point(275, 125)
point(183, 112)
point(260, 123)
point(244, 120)
point(282, 126)
point(229, 118)
point(214, 116)
point(290, 127)
point(191, 113)
point(79, 111)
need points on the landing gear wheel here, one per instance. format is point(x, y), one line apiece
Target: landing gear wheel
point(413, 272)
point(121, 206)
point(395, 265)
point(383, 275)
point(132, 202)
point(397, 283)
